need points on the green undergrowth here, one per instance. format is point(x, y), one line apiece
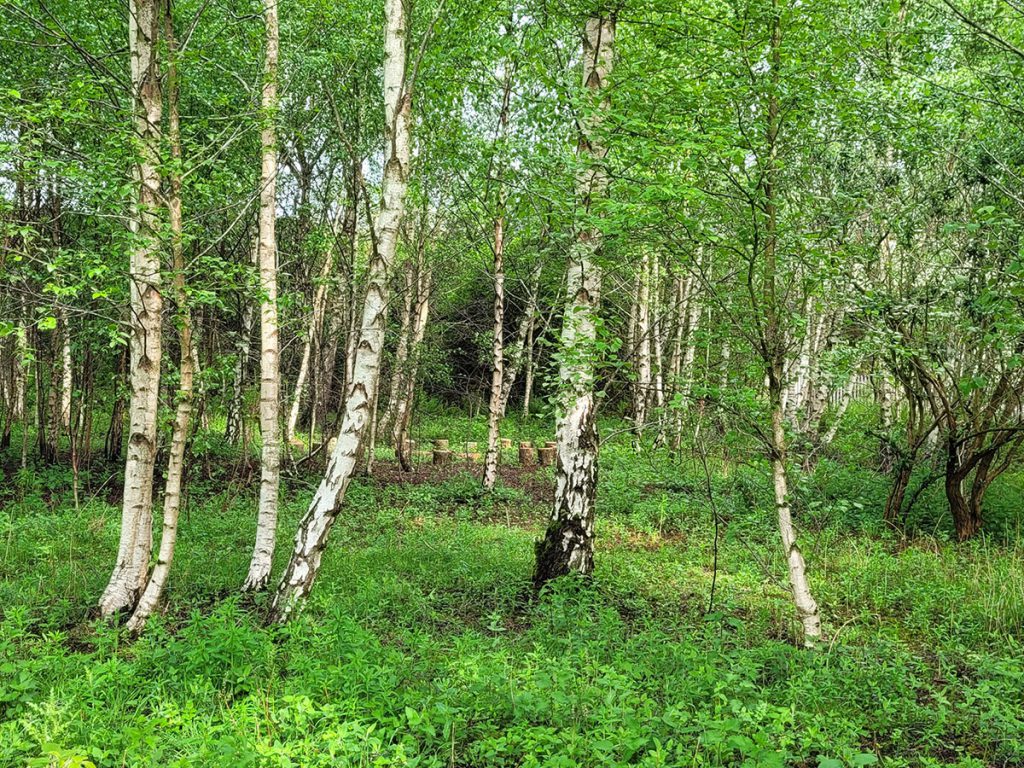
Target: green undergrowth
point(423, 645)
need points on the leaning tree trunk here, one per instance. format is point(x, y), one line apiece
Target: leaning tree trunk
point(806, 608)
point(270, 377)
point(568, 544)
point(513, 362)
point(311, 342)
point(130, 571)
point(183, 413)
point(315, 526)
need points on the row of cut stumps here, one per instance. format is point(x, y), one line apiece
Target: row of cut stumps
point(442, 453)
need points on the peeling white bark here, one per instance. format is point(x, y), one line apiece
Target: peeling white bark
point(495, 407)
point(568, 545)
point(270, 376)
point(130, 571)
point(642, 348)
point(806, 607)
point(311, 538)
point(154, 590)
point(312, 340)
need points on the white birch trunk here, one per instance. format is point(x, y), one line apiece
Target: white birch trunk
point(130, 571)
point(658, 329)
point(568, 545)
point(517, 354)
point(693, 311)
point(495, 405)
point(796, 393)
point(154, 590)
point(21, 362)
point(806, 607)
point(66, 382)
point(403, 411)
point(235, 428)
point(312, 340)
point(642, 349)
point(844, 404)
point(270, 376)
point(315, 526)
point(528, 380)
point(398, 366)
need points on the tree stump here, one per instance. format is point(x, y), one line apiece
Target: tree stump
point(527, 454)
point(442, 455)
point(546, 455)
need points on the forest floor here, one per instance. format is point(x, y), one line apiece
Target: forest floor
point(423, 644)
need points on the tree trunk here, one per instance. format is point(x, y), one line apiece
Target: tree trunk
point(797, 391)
point(642, 349)
point(568, 545)
point(113, 444)
point(343, 324)
point(521, 347)
point(772, 348)
point(66, 379)
point(398, 365)
point(129, 575)
point(658, 328)
point(528, 380)
point(495, 408)
point(315, 526)
point(806, 608)
point(183, 413)
point(312, 340)
point(403, 412)
point(270, 376)
point(235, 429)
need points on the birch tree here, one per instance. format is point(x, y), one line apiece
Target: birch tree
point(311, 538)
point(130, 570)
point(270, 378)
point(186, 363)
point(495, 407)
point(568, 544)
